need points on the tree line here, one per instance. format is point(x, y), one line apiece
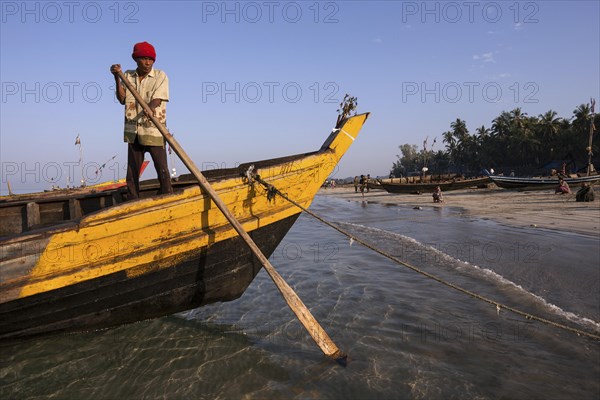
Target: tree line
point(515, 141)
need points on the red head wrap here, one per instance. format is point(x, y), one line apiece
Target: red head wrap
point(144, 49)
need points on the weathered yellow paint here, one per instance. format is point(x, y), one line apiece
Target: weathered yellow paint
point(139, 237)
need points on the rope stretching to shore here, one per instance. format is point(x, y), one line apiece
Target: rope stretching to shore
point(272, 191)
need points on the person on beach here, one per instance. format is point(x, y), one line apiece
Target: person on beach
point(363, 184)
point(437, 195)
point(563, 187)
point(356, 184)
point(563, 170)
point(586, 193)
point(367, 182)
point(140, 133)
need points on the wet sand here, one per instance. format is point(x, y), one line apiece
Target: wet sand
point(538, 209)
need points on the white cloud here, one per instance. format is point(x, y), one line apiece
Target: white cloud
point(496, 77)
point(488, 57)
point(485, 57)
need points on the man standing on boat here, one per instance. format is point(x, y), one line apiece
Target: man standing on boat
point(140, 133)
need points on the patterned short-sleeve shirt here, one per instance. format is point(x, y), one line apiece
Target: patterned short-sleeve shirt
point(154, 86)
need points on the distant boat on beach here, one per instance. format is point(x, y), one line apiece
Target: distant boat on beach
point(427, 187)
point(512, 182)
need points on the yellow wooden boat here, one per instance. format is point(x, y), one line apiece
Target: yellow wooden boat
point(82, 260)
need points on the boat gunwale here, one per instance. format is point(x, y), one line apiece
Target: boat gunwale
point(185, 183)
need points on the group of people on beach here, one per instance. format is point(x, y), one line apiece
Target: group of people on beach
point(362, 183)
point(584, 194)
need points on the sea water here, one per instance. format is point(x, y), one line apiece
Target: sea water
point(407, 335)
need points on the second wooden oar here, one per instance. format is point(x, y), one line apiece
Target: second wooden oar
point(315, 330)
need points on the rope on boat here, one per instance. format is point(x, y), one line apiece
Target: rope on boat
point(272, 191)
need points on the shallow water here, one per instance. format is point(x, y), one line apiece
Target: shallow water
point(407, 336)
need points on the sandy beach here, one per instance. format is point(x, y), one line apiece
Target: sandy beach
point(538, 209)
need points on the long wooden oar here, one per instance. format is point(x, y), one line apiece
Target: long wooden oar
point(315, 330)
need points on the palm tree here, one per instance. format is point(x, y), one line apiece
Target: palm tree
point(501, 125)
point(483, 142)
point(581, 126)
point(581, 120)
point(582, 111)
point(521, 144)
point(483, 132)
point(547, 131)
point(549, 126)
point(448, 138)
point(459, 128)
point(518, 118)
point(463, 145)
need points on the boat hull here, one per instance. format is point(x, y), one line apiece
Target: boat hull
point(419, 188)
point(511, 182)
point(219, 272)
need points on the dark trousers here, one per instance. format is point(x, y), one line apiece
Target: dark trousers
point(135, 159)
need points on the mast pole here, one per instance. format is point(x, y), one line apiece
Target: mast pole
point(590, 167)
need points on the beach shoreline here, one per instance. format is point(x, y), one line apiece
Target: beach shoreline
point(536, 209)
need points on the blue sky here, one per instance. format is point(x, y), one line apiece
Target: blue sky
point(260, 79)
